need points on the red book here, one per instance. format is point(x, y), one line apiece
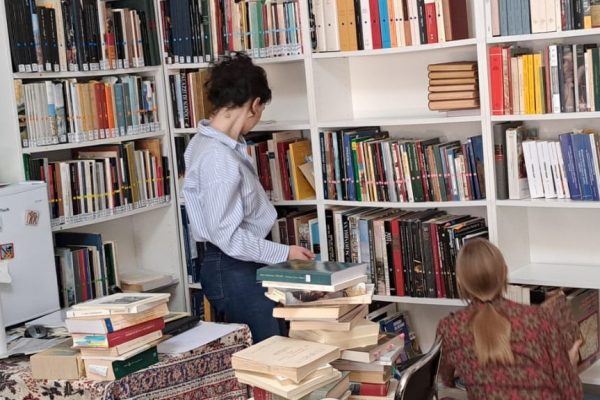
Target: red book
point(374, 389)
point(261, 394)
point(133, 332)
point(263, 165)
point(422, 169)
point(228, 16)
point(101, 105)
point(375, 27)
point(397, 257)
point(497, 80)
point(282, 149)
point(431, 22)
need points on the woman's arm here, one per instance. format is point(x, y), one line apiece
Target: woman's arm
point(447, 370)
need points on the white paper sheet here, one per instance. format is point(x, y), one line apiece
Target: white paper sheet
point(191, 339)
point(52, 320)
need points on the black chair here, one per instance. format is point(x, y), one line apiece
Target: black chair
point(418, 381)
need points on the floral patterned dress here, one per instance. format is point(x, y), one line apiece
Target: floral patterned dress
point(542, 369)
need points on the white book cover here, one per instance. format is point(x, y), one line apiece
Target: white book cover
point(441, 30)
point(518, 187)
point(551, 17)
point(592, 139)
point(537, 167)
point(319, 13)
point(555, 83)
point(521, 85)
point(589, 80)
point(367, 33)
point(563, 172)
point(514, 81)
point(332, 34)
point(560, 193)
point(537, 9)
point(547, 180)
point(558, 14)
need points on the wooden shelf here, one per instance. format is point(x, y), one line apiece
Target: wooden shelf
point(420, 205)
point(397, 50)
point(99, 220)
point(421, 300)
point(546, 117)
point(433, 119)
point(565, 275)
point(544, 36)
point(549, 203)
point(75, 145)
point(86, 74)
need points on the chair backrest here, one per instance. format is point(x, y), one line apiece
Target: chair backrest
point(418, 382)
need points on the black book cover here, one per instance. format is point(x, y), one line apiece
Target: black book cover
point(185, 98)
point(330, 235)
point(422, 22)
point(54, 39)
point(390, 258)
point(119, 38)
point(44, 24)
point(78, 27)
point(359, 25)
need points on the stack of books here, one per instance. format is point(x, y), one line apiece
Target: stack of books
point(327, 303)
point(453, 86)
point(285, 368)
point(118, 334)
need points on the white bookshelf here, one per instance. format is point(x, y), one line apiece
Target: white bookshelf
point(546, 117)
point(420, 300)
point(546, 36)
point(147, 235)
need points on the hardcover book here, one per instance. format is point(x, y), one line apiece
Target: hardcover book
point(311, 272)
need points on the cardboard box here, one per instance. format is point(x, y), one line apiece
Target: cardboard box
point(59, 362)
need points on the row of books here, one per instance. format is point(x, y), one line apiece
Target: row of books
point(87, 35)
point(199, 31)
point(522, 17)
point(300, 228)
point(86, 267)
point(558, 79)
point(189, 100)
point(366, 165)
point(576, 312)
point(118, 334)
point(68, 111)
point(410, 253)
point(453, 86)
point(566, 168)
point(103, 180)
point(348, 25)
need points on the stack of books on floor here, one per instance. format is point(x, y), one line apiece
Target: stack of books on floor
point(327, 303)
point(453, 86)
point(285, 368)
point(118, 334)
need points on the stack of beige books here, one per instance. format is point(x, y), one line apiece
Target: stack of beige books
point(285, 368)
point(453, 86)
point(117, 334)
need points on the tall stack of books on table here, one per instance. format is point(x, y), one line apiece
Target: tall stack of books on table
point(453, 86)
point(326, 303)
point(117, 334)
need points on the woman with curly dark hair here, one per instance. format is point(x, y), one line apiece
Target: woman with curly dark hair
point(229, 211)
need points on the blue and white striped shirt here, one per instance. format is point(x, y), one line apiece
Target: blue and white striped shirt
point(225, 202)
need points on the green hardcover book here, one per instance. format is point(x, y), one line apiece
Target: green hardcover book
point(101, 369)
point(311, 272)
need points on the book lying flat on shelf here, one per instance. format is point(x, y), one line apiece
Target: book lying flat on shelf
point(313, 313)
point(114, 322)
point(391, 394)
point(343, 324)
point(123, 350)
point(311, 272)
point(142, 280)
point(314, 287)
point(334, 390)
point(108, 370)
point(371, 353)
point(365, 333)
point(290, 358)
point(116, 338)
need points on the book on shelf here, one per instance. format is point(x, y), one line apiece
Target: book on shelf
point(295, 227)
point(566, 168)
point(74, 111)
point(351, 25)
point(409, 253)
point(369, 166)
point(559, 78)
point(103, 180)
point(531, 16)
point(200, 31)
point(189, 98)
point(88, 35)
point(286, 357)
point(142, 280)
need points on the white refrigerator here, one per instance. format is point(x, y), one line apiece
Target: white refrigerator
point(28, 282)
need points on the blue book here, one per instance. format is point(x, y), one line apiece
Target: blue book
point(503, 17)
point(315, 239)
point(525, 17)
point(384, 19)
point(363, 238)
point(470, 158)
point(477, 145)
point(580, 152)
point(328, 274)
point(566, 147)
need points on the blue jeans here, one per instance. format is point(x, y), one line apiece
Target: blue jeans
point(231, 287)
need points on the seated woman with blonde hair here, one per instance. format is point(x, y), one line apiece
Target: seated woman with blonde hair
point(500, 349)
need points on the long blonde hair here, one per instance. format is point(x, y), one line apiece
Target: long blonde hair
point(481, 273)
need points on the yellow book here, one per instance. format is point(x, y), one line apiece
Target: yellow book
point(298, 153)
point(342, 25)
point(531, 81)
point(392, 19)
point(537, 65)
